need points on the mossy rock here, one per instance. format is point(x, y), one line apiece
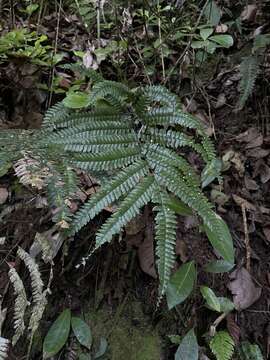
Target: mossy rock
point(128, 334)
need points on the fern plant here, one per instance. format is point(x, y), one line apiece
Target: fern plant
point(222, 345)
point(136, 138)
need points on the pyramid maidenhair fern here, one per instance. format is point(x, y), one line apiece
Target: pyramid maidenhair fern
point(135, 140)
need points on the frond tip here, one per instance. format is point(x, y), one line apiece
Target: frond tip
point(222, 345)
point(4, 345)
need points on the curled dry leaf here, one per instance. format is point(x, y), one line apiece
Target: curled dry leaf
point(244, 291)
point(3, 195)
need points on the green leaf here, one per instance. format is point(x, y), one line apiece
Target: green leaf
point(218, 266)
point(261, 41)
point(226, 305)
point(211, 171)
point(223, 40)
point(82, 332)
point(212, 13)
point(102, 348)
point(188, 349)
point(198, 44)
point(224, 245)
point(211, 298)
point(85, 357)
point(250, 351)
point(76, 100)
point(205, 33)
point(57, 335)
point(31, 9)
point(222, 345)
point(181, 284)
point(175, 339)
point(179, 207)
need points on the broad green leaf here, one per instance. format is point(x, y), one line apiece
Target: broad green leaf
point(179, 207)
point(212, 13)
point(223, 40)
point(85, 357)
point(210, 298)
point(225, 246)
point(218, 266)
point(30, 9)
point(205, 33)
point(102, 348)
point(188, 349)
point(76, 100)
point(57, 335)
point(261, 41)
point(226, 305)
point(4, 167)
point(250, 351)
point(82, 332)
point(211, 172)
point(181, 284)
point(199, 44)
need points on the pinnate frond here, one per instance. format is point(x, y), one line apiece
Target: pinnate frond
point(222, 345)
point(20, 306)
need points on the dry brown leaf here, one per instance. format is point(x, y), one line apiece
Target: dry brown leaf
point(257, 153)
point(266, 232)
point(249, 13)
point(146, 257)
point(243, 202)
point(244, 291)
point(3, 195)
point(135, 225)
point(250, 183)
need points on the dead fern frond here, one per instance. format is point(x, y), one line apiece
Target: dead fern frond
point(4, 345)
point(21, 304)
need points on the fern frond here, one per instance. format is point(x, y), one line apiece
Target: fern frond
point(249, 69)
point(222, 345)
point(159, 156)
point(160, 95)
point(36, 281)
point(109, 160)
point(55, 114)
point(111, 91)
point(91, 74)
point(165, 236)
point(173, 139)
point(20, 306)
point(61, 187)
point(120, 185)
point(128, 209)
point(175, 182)
point(166, 117)
point(4, 345)
point(83, 121)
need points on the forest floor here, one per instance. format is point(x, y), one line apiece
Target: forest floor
point(117, 289)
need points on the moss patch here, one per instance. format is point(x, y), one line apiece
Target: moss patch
point(127, 332)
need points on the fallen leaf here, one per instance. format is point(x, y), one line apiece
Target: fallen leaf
point(222, 28)
point(243, 202)
point(249, 13)
point(257, 153)
point(244, 291)
point(266, 232)
point(135, 225)
point(250, 183)
point(3, 195)
point(146, 257)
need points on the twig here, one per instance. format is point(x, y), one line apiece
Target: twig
point(160, 44)
point(247, 244)
point(188, 44)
